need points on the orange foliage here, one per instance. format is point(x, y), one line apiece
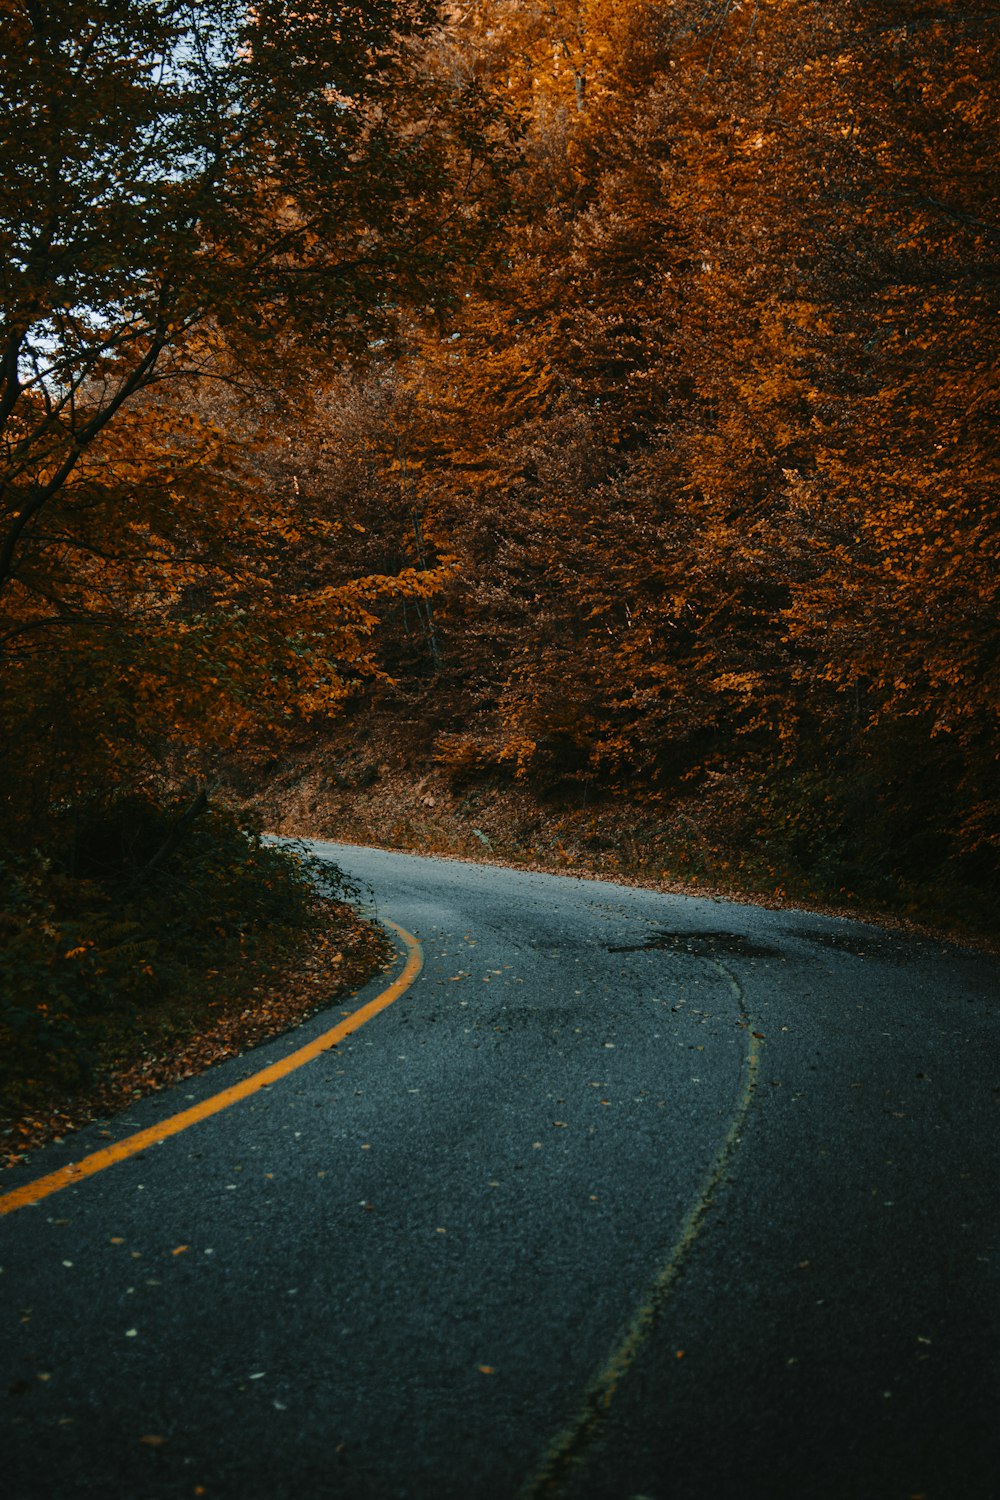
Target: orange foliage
point(694, 487)
point(711, 445)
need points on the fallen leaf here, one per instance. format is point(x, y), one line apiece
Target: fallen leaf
point(180, 1250)
point(486, 1370)
point(153, 1440)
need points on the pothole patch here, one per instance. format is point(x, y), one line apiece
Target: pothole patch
point(701, 944)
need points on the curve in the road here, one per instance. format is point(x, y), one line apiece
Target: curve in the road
point(460, 1253)
point(98, 1161)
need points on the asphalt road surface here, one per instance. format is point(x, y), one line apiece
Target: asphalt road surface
point(627, 1195)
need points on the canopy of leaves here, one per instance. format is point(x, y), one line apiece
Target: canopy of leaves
point(685, 488)
point(712, 445)
point(200, 206)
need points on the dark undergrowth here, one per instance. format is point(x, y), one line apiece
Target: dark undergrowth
point(133, 929)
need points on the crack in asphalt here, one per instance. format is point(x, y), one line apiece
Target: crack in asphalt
point(568, 1453)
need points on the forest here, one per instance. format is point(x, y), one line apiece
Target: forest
point(586, 405)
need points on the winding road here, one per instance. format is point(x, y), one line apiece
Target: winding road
point(623, 1196)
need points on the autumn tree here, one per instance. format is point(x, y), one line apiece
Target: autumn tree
point(195, 198)
point(711, 442)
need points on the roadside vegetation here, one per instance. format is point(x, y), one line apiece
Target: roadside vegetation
point(129, 963)
point(703, 469)
point(204, 209)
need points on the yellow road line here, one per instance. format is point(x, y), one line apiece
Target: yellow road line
point(33, 1192)
point(566, 1453)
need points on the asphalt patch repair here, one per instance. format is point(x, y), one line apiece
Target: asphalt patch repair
point(701, 944)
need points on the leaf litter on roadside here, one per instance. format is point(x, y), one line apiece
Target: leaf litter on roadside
point(341, 958)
